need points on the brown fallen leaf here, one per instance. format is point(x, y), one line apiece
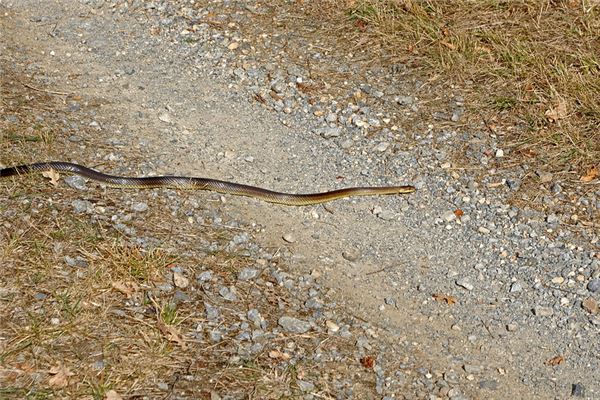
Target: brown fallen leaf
point(279, 354)
point(171, 333)
point(367, 361)
point(448, 45)
point(444, 298)
point(127, 288)
point(554, 361)
point(459, 213)
point(112, 395)
point(592, 174)
point(52, 175)
point(557, 112)
point(591, 305)
point(60, 378)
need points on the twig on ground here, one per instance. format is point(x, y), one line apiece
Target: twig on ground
point(44, 90)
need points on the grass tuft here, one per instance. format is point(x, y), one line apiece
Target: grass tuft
point(522, 57)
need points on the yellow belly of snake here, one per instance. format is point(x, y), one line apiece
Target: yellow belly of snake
point(183, 182)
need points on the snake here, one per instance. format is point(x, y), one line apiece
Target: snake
point(193, 183)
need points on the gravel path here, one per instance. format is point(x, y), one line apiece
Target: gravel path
point(464, 295)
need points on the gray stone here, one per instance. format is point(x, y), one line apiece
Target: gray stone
point(40, 296)
point(465, 283)
point(204, 276)
point(516, 287)
point(363, 343)
point(257, 319)
point(212, 313)
point(331, 117)
point(404, 100)
point(488, 384)
point(556, 188)
point(305, 386)
point(448, 216)
point(294, 325)
point(577, 390)
point(228, 293)
point(541, 311)
point(247, 274)
point(180, 296)
point(215, 336)
point(472, 369)
point(513, 184)
point(451, 377)
point(76, 182)
point(139, 207)
point(76, 262)
point(313, 303)
point(387, 215)
point(351, 254)
point(82, 206)
point(594, 285)
point(329, 132)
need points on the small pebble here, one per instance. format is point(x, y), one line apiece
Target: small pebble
point(82, 206)
point(465, 283)
point(542, 311)
point(139, 207)
point(516, 287)
point(180, 281)
point(247, 274)
point(76, 182)
point(305, 386)
point(594, 285)
point(351, 254)
point(332, 327)
point(577, 390)
point(488, 384)
point(289, 237)
point(212, 313)
point(294, 325)
point(204, 276)
point(228, 293)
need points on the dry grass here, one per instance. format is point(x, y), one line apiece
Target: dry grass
point(533, 64)
point(84, 309)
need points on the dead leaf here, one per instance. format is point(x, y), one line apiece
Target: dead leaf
point(444, 298)
point(258, 97)
point(61, 376)
point(127, 288)
point(554, 361)
point(361, 24)
point(367, 361)
point(112, 395)
point(558, 112)
point(448, 45)
point(274, 95)
point(171, 333)
point(590, 305)
point(52, 175)
point(459, 213)
point(279, 354)
point(592, 174)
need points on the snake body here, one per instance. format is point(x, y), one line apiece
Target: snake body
point(184, 182)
